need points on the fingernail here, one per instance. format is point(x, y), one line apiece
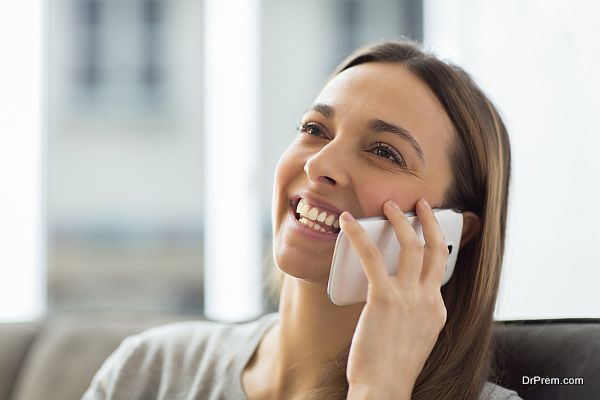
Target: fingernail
point(346, 216)
point(393, 204)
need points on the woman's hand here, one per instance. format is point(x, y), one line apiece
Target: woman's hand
point(404, 313)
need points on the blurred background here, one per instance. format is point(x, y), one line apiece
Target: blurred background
point(111, 168)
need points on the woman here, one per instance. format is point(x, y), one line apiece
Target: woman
point(393, 130)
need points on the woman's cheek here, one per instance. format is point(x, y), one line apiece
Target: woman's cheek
point(373, 194)
point(287, 172)
point(290, 163)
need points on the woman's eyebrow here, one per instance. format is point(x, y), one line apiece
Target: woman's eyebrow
point(375, 125)
point(326, 110)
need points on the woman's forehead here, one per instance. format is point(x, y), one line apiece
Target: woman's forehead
point(386, 91)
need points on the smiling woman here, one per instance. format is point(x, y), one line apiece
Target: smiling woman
point(395, 123)
point(393, 130)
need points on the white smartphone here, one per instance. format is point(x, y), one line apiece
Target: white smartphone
point(347, 281)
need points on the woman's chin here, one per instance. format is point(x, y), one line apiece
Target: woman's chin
point(314, 272)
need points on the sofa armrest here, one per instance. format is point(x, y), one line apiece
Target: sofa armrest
point(70, 349)
point(15, 342)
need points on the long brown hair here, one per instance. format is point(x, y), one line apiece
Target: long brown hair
point(461, 360)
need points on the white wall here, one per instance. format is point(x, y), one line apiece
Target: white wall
point(539, 62)
point(140, 168)
point(22, 245)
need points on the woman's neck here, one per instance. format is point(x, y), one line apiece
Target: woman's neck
point(305, 342)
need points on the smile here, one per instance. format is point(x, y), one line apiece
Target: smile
point(317, 219)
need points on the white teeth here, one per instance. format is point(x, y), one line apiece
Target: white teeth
point(312, 225)
point(329, 219)
point(309, 223)
point(304, 210)
point(322, 216)
point(299, 207)
point(312, 214)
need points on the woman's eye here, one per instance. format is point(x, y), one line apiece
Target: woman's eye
point(310, 129)
point(383, 152)
point(389, 153)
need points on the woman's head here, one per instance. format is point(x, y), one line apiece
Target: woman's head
point(375, 132)
point(385, 126)
point(396, 123)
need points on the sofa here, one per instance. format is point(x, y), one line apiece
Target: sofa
point(55, 359)
point(549, 348)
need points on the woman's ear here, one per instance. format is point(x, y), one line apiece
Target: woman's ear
point(471, 225)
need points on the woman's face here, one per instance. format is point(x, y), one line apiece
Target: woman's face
point(375, 132)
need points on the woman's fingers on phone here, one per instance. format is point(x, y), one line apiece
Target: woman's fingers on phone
point(411, 253)
point(436, 250)
point(370, 256)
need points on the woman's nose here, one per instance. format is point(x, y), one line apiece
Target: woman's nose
point(327, 167)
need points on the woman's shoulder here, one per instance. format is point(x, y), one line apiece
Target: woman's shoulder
point(492, 391)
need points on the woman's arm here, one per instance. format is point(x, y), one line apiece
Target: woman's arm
point(404, 313)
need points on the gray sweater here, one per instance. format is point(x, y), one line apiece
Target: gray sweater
point(194, 360)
